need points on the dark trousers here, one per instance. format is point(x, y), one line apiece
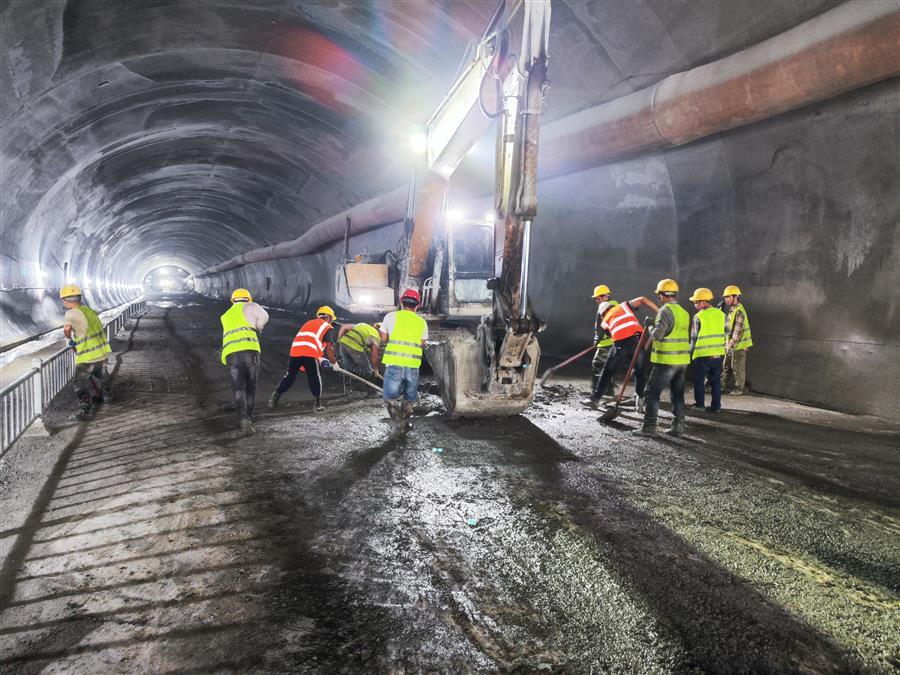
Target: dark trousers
point(82, 382)
point(708, 369)
point(662, 376)
point(243, 368)
point(311, 366)
point(618, 360)
point(597, 364)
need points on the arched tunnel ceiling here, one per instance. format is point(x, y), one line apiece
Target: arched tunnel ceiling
point(187, 131)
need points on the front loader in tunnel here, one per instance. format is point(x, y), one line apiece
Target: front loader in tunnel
point(474, 275)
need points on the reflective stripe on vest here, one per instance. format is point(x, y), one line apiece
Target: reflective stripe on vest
point(404, 347)
point(357, 337)
point(608, 340)
point(237, 333)
point(675, 348)
point(308, 340)
point(746, 340)
point(93, 346)
point(711, 336)
point(622, 323)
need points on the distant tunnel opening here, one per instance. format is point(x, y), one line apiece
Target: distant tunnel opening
point(167, 279)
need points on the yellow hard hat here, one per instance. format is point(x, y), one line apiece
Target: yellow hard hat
point(69, 290)
point(602, 289)
point(327, 311)
point(241, 295)
point(667, 286)
point(731, 290)
point(701, 294)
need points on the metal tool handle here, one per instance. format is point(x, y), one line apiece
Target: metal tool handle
point(552, 370)
point(336, 368)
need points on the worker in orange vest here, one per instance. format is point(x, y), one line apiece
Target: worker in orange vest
point(311, 349)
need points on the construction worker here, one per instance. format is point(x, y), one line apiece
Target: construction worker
point(311, 350)
point(404, 333)
point(670, 355)
point(622, 324)
point(360, 346)
point(707, 348)
point(241, 326)
point(604, 343)
point(85, 333)
point(737, 341)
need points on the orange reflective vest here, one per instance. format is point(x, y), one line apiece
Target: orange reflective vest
point(308, 340)
point(622, 323)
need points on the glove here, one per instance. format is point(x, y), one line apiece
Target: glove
point(72, 344)
point(325, 363)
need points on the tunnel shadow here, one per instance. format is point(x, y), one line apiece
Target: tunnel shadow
point(724, 623)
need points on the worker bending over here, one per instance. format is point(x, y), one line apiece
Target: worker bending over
point(360, 346)
point(737, 341)
point(241, 326)
point(312, 347)
point(404, 333)
point(604, 342)
point(85, 333)
point(670, 355)
point(707, 348)
point(625, 328)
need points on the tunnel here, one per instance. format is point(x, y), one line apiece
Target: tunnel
point(160, 155)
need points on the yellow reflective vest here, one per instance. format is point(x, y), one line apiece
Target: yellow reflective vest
point(404, 347)
point(711, 336)
point(237, 333)
point(357, 337)
point(746, 340)
point(93, 346)
point(675, 348)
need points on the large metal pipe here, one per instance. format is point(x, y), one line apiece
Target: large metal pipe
point(374, 213)
point(850, 46)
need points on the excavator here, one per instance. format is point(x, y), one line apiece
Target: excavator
point(473, 274)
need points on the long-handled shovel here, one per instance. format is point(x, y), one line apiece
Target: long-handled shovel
point(336, 368)
point(613, 411)
point(552, 370)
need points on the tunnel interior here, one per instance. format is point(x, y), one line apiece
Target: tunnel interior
point(225, 126)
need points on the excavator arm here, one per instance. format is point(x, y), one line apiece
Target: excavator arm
point(491, 372)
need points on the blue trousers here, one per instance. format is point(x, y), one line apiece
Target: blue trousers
point(708, 368)
point(400, 381)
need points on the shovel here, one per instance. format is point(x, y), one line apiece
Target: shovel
point(613, 411)
point(336, 368)
point(552, 370)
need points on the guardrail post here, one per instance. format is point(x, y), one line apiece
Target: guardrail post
point(38, 428)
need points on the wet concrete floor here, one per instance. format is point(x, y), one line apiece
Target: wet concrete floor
point(156, 539)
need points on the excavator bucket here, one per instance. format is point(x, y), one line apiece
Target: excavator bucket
point(471, 380)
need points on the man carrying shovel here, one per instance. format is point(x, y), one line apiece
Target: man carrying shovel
point(625, 329)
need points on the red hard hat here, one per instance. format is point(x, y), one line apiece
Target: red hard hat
point(411, 294)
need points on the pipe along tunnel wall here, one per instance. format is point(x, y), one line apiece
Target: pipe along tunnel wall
point(801, 211)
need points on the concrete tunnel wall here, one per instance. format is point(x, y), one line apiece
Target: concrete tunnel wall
point(801, 211)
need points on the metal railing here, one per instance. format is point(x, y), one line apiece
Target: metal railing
point(24, 401)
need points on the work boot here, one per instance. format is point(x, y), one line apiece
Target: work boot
point(648, 429)
point(737, 392)
point(677, 428)
point(247, 428)
point(639, 403)
point(317, 406)
point(590, 402)
point(82, 415)
point(406, 410)
point(107, 397)
point(273, 400)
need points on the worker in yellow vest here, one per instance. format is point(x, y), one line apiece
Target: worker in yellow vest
point(707, 349)
point(241, 326)
point(737, 341)
point(404, 333)
point(604, 342)
point(360, 347)
point(85, 332)
point(670, 354)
